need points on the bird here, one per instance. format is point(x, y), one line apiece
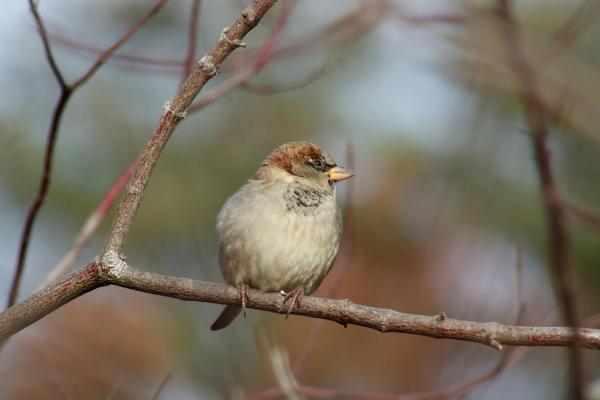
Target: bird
point(281, 231)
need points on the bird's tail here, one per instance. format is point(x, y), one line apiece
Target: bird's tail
point(226, 317)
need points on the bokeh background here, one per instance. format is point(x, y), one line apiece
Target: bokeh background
point(446, 190)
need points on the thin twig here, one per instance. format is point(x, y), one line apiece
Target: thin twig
point(522, 306)
point(162, 386)
point(66, 91)
point(557, 230)
point(582, 215)
point(120, 42)
point(270, 89)
point(341, 31)
point(583, 17)
point(510, 357)
point(119, 58)
point(258, 62)
point(40, 196)
point(90, 227)
point(46, 43)
point(507, 359)
point(280, 364)
point(188, 61)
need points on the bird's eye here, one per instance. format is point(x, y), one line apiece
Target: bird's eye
point(317, 164)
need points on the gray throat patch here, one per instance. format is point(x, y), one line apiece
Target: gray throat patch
point(304, 200)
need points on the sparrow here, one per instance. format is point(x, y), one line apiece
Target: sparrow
point(280, 232)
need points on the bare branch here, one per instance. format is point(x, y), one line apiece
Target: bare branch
point(119, 58)
point(557, 230)
point(582, 215)
point(40, 196)
point(258, 63)
point(124, 38)
point(584, 16)
point(46, 42)
point(162, 386)
point(175, 111)
point(188, 61)
point(90, 227)
point(269, 89)
point(436, 394)
point(65, 94)
point(113, 270)
point(341, 31)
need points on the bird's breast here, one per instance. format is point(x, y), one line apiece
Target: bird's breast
point(278, 236)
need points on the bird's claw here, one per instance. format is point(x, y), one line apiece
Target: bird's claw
point(243, 296)
point(296, 295)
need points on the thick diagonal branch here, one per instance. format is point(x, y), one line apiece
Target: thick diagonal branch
point(175, 111)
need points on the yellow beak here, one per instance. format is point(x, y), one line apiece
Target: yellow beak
point(339, 174)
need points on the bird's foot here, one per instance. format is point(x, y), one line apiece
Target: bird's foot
point(296, 296)
point(242, 290)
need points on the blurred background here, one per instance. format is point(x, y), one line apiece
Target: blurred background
point(445, 194)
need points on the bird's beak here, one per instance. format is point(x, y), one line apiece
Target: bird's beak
point(338, 173)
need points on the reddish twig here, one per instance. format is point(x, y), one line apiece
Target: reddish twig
point(89, 227)
point(558, 235)
point(584, 216)
point(591, 321)
point(258, 62)
point(162, 386)
point(120, 42)
point(190, 56)
point(344, 30)
point(175, 111)
point(403, 16)
point(507, 359)
point(270, 89)
point(436, 394)
point(65, 94)
point(584, 16)
point(124, 59)
point(510, 357)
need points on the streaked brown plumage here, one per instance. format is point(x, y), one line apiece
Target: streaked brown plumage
point(281, 231)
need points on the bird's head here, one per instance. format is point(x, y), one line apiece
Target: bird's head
point(302, 161)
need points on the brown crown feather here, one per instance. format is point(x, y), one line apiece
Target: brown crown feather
point(283, 156)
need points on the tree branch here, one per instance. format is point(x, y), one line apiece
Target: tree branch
point(113, 270)
point(90, 226)
point(555, 213)
point(188, 61)
point(175, 111)
point(40, 196)
point(257, 65)
point(101, 60)
point(66, 90)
